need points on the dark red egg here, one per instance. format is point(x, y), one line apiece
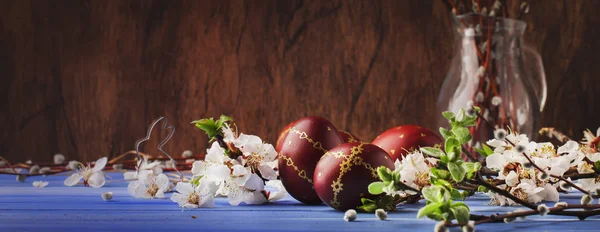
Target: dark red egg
point(282, 135)
point(349, 137)
point(399, 141)
point(306, 141)
point(343, 174)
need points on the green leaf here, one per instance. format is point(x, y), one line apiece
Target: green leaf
point(370, 207)
point(376, 188)
point(597, 166)
point(444, 159)
point(396, 176)
point(462, 134)
point(459, 203)
point(455, 194)
point(431, 193)
point(457, 171)
point(487, 149)
point(385, 174)
point(452, 155)
point(366, 201)
point(451, 144)
point(461, 213)
point(482, 189)
point(445, 133)
point(471, 168)
point(440, 173)
point(428, 209)
point(432, 151)
point(460, 116)
point(208, 125)
point(448, 115)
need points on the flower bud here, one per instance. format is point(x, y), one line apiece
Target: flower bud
point(45, 170)
point(500, 134)
point(187, 154)
point(117, 167)
point(350, 215)
point(509, 219)
point(469, 227)
point(381, 214)
point(440, 227)
point(107, 196)
point(59, 158)
point(561, 204)
point(21, 178)
point(543, 210)
point(35, 169)
point(586, 199)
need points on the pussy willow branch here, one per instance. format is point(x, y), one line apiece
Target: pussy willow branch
point(588, 211)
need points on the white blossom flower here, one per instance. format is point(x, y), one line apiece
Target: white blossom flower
point(59, 158)
point(543, 209)
point(149, 186)
point(145, 165)
point(91, 176)
point(45, 170)
point(213, 166)
point(188, 196)
point(415, 169)
point(40, 184)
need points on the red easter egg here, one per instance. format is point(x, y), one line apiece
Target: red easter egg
point(399, 141)
point(282, 135)
point(307, 140)
point(343, 174)
point(348, 137)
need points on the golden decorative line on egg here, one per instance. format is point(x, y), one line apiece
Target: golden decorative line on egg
point(351, 138)
point(290, 163)
point(303, 135)
point(336, 154)
point(346, 165)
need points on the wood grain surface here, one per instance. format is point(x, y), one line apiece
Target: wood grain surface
point(85, 78)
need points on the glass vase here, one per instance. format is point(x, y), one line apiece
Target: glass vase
point(493, 70)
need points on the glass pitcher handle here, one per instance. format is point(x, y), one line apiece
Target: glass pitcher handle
point(535, 69)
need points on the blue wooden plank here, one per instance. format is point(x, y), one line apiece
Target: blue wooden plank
point(59, 208)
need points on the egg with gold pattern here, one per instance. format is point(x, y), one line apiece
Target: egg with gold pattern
point(343, 175)
point(307, 140)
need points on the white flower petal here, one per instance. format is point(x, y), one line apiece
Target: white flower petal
point(267, 172)
point(97, 179)
point(512, 179)
point(162, 181)
point(228, 135)
point(268, 152)
point(248, 144)
point(255, 198)
point(275, 196)
point(235, 197)
point(219, 173)
point(495, 161)
point(551, 194)
point(199, 168)
point(159, 194)
point(73, 179)
point(130, 175)
point(594, 157)
point(40, 184)
point(215, 154)
point(207, 201)
point(184, 188)
point(181, 199)
point(496, 143)
point(99, 165)
point(189, 206)
point(568, 147)
point(255, 183)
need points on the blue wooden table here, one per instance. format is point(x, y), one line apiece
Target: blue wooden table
point(59, 208)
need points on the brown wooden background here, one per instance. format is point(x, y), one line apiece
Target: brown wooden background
point(85, 78)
